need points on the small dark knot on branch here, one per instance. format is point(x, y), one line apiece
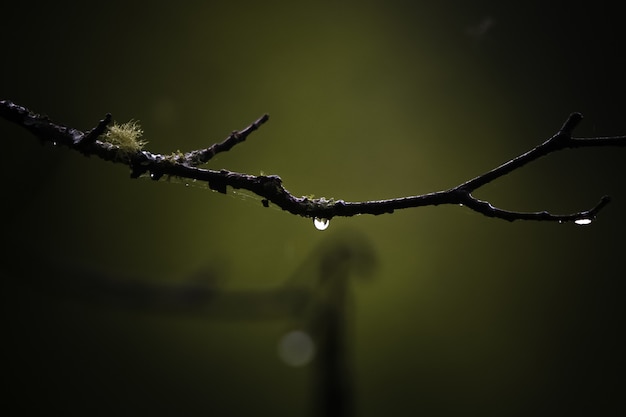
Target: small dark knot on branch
point(271, 183)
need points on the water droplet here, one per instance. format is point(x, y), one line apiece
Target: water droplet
point(583, 221)
point(186, 184)
point(54, 144)
point(296, 348)
point(321, 224)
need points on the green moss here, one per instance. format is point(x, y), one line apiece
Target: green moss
point(126, 136)
point(175, 157)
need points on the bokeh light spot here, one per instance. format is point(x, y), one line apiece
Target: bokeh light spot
point(296, 348)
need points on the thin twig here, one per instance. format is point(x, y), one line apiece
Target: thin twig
point(202, 156)
point(271, 189)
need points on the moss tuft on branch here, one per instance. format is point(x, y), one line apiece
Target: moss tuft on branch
point(126, 136)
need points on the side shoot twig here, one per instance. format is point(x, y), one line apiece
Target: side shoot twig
point(121, 144)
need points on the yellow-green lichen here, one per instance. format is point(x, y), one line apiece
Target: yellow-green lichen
point(126, 136)
point(175, 157)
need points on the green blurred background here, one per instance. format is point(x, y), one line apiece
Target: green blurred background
point(463, 315)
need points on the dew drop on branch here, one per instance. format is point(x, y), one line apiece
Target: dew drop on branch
point(321, 224)
point(583, 221)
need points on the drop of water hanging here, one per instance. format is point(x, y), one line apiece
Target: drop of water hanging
point(584, 221)
point(321, 224)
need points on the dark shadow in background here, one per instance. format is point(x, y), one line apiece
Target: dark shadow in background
point(316, 296)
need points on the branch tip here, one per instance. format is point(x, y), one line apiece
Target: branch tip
point(601, 204)
point(90, 137)
point(263, 119)
point(572, 121)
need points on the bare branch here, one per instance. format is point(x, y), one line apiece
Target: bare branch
point(271, 189)
point(203, 156)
